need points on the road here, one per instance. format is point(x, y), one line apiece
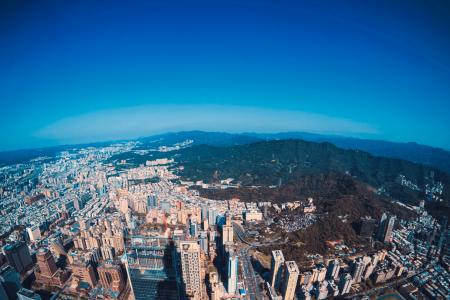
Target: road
point(250, 278)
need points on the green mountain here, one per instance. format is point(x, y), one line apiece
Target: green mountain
point(280, 162)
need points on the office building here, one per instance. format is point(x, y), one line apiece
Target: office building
point(10, 280)
point(290, 280)
point(151, 268)
point(18, 256)
point(276, 268)
point(190, 268)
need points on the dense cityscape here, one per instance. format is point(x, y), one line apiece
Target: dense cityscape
point(82, 225)
point(225, 149)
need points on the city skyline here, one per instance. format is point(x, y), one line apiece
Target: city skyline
point(378, 70)
point(224, 150)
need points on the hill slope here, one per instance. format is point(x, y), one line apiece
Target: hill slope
point(280, 162)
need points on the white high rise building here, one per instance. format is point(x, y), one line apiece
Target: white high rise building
point(232, 273)
point(276, 268)
point(290, 280)
point(34, 233)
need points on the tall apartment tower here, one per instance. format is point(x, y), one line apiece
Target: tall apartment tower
point(34, 233)
point(276, 268)
point(385, 228)
point(290, 280)
point(345, 283)
point(18, 256)
point(232, 273)
point(333, 269)
point(227, 231)
point(212, 216)
point(111, 277)
point(190, 269)
point(358, 269)
point(46, 262)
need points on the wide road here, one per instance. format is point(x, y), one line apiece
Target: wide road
point(250, 278)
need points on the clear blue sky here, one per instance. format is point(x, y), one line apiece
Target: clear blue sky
point(77, 71)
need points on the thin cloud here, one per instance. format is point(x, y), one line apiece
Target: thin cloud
point(134, 122)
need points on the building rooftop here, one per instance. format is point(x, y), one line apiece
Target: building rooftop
point(292, 267)
point(278, 255)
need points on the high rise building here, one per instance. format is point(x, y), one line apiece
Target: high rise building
point(345, 283)
point(217, 289)
point(204, 243)
point(46, 271)
point(24, 294)
point(385, 228)
point(212, 216)
point(193, 228)
point(10, 280)
point(276, 268)
point(227, 231)
point(151, 268)
point(34, 233)
point(46, 262)
point(18, 256)
point(204, 212)
point(333, 269)
point(152, 201)
point(291, 273)
point(108, 252)
point(190, 268)
point(358, 269)
point(232, 273)
point(111, 277)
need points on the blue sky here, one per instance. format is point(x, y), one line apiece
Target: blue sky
point(80, 71)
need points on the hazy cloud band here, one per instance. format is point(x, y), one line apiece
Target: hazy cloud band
point(140, 121)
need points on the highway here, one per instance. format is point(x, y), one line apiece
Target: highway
point(250, 278)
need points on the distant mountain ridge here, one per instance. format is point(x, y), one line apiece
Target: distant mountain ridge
point(413, 152)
